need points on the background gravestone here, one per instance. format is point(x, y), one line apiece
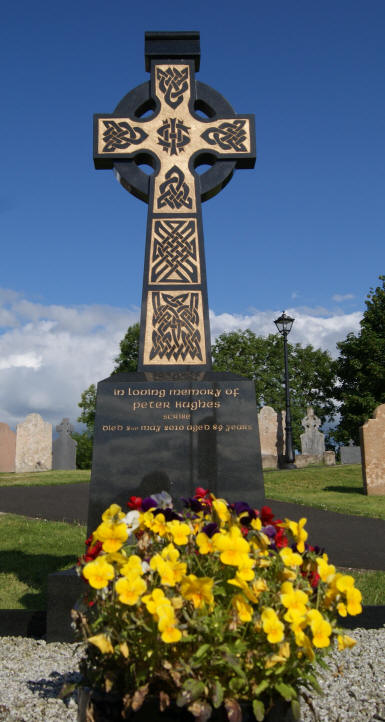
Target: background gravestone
point(7, 448)
point(64, 447)
point(350, 454)
point(313, 440)
point(272, 436)
point(373, 452)
point(33, 445)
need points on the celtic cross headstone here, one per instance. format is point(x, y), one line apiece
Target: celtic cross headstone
point(174, 424)
point(174, 140)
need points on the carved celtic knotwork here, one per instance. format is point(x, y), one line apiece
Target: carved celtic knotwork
point(173, 83)
point(174, 256)
point(174, 135)
point(229, 136)
point(175, 326)
point(120, 135)
point(174, 192)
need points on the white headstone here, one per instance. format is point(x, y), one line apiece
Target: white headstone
point(33, 445)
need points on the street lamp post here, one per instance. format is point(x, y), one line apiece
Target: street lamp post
point(284, 324)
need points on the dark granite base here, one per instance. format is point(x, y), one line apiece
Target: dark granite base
point(175, 435)
point(64, 589)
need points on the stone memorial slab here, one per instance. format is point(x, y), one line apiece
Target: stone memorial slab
point(313, 440)
point(64, 447)
point(175, 424)
point(350, 454)
point(33, 445)
point(373, 452)
point(7, 448)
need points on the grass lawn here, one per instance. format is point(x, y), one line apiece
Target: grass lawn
point(335, 488)
point(30, 549)
point(45, 478)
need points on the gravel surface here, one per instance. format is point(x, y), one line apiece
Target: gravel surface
point(32, 673)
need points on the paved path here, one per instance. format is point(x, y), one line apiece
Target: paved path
point(350, 541)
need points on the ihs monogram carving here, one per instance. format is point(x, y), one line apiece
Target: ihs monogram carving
point(174, 192)
point(176, 327)
point(174, 135)
point(173, 83)
point(121, 135)
point(174, 252)
point(229, 136)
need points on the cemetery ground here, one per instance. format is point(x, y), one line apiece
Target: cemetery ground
point(30, 549)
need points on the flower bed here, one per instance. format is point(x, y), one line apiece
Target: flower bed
point(208, 608)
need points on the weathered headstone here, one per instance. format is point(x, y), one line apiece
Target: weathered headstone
point(7, 448)
point(33, 444)
point(373, 452)
point(175, 424)
point(312, 440)
point(350, 454)
point(64, 447)
point(272, 434)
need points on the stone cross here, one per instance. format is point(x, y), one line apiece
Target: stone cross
point(174, 140)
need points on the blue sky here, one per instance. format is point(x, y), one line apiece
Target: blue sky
point(303, 231)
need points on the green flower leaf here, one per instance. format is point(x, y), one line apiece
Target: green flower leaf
point(259, 710)
point(217, 696)
point(295, 708)
point(191, 690)
point(286, 691)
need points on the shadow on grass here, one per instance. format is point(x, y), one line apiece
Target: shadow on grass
point(33, 570)
point(345, 489)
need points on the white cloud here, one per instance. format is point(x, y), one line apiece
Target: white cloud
point(342, 297)
point(50, 354)
point(311, 326)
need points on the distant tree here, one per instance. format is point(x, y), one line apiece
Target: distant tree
point(129, 351)
point(360, 368)
point(87, 403)
point(83, 449)
point(311, 373)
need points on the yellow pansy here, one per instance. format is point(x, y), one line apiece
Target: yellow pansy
point(171, 634)
point(102, 642)
point(180, 531)
point(353, 601)
point(111, 535)
point(159, 525)
point(222, 510)
point(299, 533)
point(294, 600)
point(345, 642)
point(113, 511)
point(290, 558)
point(245, 567)
point(272, 626)
point(232, 546)
point(320, 627)
point(170, 553)
point(344, 582)
point(98, 573)
point(198, 590)
point(132, 565)
point(170, 572)
point(243, 609)
point(204, 543)
point(280, 657)
point(325, 570)
point(256, 524)
point(130, 589)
